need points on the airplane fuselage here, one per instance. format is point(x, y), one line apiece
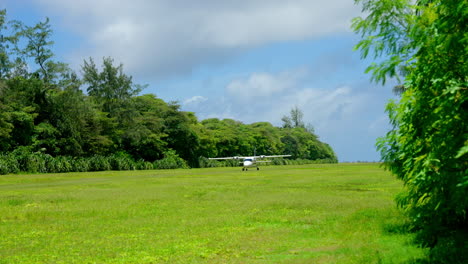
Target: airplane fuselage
point(249, 162)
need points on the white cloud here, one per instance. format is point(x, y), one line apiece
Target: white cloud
point(195, 100)
point(259, 85)
point(349, 117)
point(268, 96)
point(320, 106)
point(156, 38)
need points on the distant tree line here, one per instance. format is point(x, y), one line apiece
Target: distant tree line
point(50, 114)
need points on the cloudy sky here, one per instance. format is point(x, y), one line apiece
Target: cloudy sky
point(249, 60)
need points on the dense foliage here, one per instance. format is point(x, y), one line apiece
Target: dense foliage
point(428, 146)
point(49, 124)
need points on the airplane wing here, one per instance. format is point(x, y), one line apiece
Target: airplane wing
point(241, 157)
point(227, 158)
point(274, 156)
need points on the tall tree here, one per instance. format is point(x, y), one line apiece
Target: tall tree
point(428, 145)
point(111, 84)
point(113, 90)
point(295, 118)
point(146, 139)
point(12, 58)
point(6, 126)
point(38, 46)
point(5, 63)
point(181, 136)
point(287, 122)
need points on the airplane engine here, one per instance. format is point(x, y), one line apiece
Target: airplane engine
point(262, 156)
point(236, 157)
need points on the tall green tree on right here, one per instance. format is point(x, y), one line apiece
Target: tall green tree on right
point(424, 45)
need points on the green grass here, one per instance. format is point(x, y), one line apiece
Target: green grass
point(342, 213)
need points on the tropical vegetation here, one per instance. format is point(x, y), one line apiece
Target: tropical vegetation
point(53, 119)
point(424, 45)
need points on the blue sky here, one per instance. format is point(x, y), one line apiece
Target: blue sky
point(250, 60)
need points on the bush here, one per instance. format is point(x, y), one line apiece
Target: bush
point(122, 161)
point(170, 161)
point(36, 163)
point(99, 163)
point(4, 167)
point(80, 164)
point(8, 164)
point(50, 163)
point(207, 163)
point(232, 163)
point(57, 164)
point(144, 165)
point(279, 161)
point(63, 164)
point(22, 159)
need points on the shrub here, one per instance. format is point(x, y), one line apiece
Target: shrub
point(122, 161)
point(36, 162)
point(50, 163)
point(207, 163)
point(279, 161)
point(4, 167)
point(8, 164)
point(170, 161)
point(63, 164)
point(80, 164)
point(144, 165)
point(99, 163)
point(232, 163)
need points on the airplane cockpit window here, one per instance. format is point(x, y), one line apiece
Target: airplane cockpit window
point(248, 159)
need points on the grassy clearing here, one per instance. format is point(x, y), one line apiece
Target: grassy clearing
point(280, 214)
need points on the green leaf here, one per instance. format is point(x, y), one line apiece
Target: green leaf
point(462, 151)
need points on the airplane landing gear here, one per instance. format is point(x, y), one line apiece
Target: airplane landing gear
point(258, 168)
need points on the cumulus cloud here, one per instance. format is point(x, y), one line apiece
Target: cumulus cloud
point(320, 106)
point(195, 100)
point(161, 37)
point(349, 117)
point(268, 96)
point(263, 84)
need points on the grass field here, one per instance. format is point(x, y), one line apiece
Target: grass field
point(342, 213)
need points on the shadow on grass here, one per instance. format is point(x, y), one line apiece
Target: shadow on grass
point(449, 249)
point(404, 228)
point(452, 248)
point(397, 228)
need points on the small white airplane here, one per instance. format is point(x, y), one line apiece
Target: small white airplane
point(251, 161)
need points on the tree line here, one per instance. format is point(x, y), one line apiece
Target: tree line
point(48, 111)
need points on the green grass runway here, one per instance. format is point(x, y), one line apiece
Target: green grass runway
point(341, 213)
